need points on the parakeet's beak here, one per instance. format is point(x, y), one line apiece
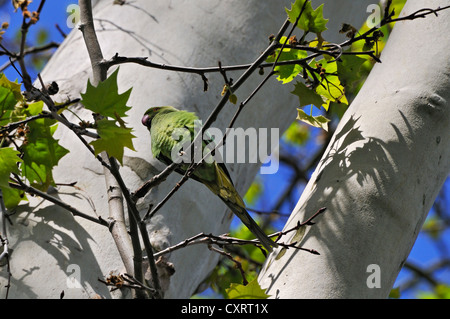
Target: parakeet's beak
point(146, 120)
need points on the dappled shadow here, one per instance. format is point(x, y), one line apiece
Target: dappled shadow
point(353, 154)
point(39, 230)
point(354, 164)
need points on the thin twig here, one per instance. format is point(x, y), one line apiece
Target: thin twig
point(28, 51)
point(212, 117)
point(235, 261)
point(232, 88)
point(153, 182)
point(141, 226)
point(99, 74)
point(422, 13)
point(75, 212)
point(4, 242)
point(225, 240)
point(309, 221)
point(13, 125)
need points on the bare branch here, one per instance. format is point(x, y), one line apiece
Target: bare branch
point(154, 181)
point(117, 185)
point(75, 212)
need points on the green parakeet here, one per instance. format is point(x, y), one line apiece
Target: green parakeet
point(162, 122)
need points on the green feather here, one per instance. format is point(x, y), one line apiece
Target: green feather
point(162, 123)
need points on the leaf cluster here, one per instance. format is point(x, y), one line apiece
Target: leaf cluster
point(27, 149)
point(324, 72)
point(29, 152)
point(234, 282)
point(109, 108)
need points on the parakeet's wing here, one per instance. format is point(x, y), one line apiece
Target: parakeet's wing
point(209, 142)
point(163, 142)
point(212, 174)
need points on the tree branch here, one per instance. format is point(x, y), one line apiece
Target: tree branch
point(75, 212)
point(117, 185)
point(4, 242)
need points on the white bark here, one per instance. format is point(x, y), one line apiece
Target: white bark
point(47, 240)
point(380, 174)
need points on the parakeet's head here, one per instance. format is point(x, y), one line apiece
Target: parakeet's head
point(153, 111)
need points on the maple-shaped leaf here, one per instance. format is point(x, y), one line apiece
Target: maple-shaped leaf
point(286, 73)
point(330, 88)
point(311, 20)
point(113, 139)
point(42, 153)
point(251, 291)
point(348, 69)
point(316, 121)
point(10, 96)
point(8, 164)
point(105, 99)
point(307, 96)
point(12, 197)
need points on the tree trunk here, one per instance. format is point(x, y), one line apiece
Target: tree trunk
point(50, 246)
point(380, 174)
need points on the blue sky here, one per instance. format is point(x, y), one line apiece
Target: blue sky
point(424, 252)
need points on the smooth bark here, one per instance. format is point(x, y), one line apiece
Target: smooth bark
point(49, 243)
point(380, 174)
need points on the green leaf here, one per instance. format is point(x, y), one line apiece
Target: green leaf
point(311, 20)
point(105, 98)
point(14, 87)
point(349, 68)
point(254, 192)
point(12, 197)
point(8, 164)
point(433, 227)
point(233, 98)
point(298, 236)
point(297, 134)
point(281, 253)
point(252, 291)
point(440, 291)
point(394, 293)
point(330, 88)
point(316, 121)
point(42, 151)
point(307, 96)
point(286, 73)
point(10, 95)
point(113, 139)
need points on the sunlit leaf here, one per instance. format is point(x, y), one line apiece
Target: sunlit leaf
point(113, 139)
point(306, 95)
point(316, 121)
point(311, 20)
point(41, 150)
point(8, 164)
point(286, 73)
point(251, 291)
point(10, 96)
point(105, 99)
point(253, 193)
point(12, 197)
point(348, 69)
point(330, 87)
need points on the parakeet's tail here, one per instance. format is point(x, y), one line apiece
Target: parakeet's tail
point(223, 187)
point(251, 225)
